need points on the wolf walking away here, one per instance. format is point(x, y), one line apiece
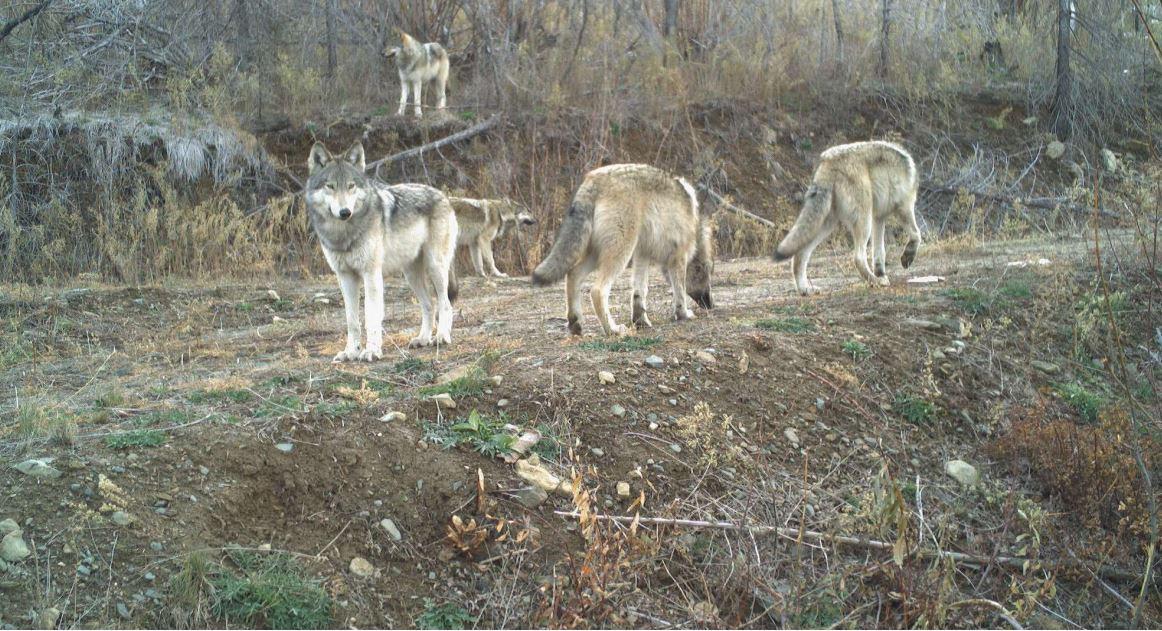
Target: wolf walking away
point(418, 64)
point(481, 221)
point(858, 186)
point(367, 228)
point(625, 212)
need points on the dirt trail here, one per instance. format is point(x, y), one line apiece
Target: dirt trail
point(276, 446)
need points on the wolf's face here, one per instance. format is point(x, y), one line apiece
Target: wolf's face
point(337, 185)
point(514, 214)
point(701, 267)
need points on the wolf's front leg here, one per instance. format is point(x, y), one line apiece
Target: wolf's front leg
point(373, 307)
point(417, 87)
point(349, 285)
point(486, 249)
point(403, 95)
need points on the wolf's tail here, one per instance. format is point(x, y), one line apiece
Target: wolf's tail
point(453, 286)
point(810, 221)
point(572, 239)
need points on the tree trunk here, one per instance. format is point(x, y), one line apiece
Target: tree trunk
point(1063, 97)
point(670, 26)
point(885, 33)
point(331, 54)
point(243, 40)
point(838, 30)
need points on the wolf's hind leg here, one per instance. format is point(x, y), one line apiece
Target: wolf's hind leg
point(908, 214)
point(438, 275)
point(879, 248)
point(573, 293)
point(609, 265)
point(477, 263)
point(349, 285)
point(415, 277)
point(861, 234)
point(486, 249)
point(641, 290)
point(676, 274)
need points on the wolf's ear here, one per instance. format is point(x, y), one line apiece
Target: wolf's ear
point(408, 40)
point(355, 156)
point(319, 157)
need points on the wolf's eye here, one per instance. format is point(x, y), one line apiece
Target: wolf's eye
point(351, 186)
point(331, 185)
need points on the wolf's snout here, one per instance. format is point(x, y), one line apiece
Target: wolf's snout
point(344, 213)
point(703, 299)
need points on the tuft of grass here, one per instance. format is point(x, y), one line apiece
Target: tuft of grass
point(445, 616)
point(269, 590)
point(970, 300)
point(858, 350)
point(484, 434)
point(549, 446)
point(916, 410)
point(136, 438)
point(114, 397)
point(1017, 289)
point(233, 395)
point(191, 591)
point(469, 385)
point(1087, 404)
point(786, 325)
point(622, 345)
point(34, 421)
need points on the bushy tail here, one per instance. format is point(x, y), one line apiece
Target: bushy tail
point(453, 286)
point(815, 209)
point(571, 243)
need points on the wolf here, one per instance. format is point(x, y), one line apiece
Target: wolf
point(625, 212)
point(859, 186)
point(481, 221)
point(418, 64)
point(367, 228)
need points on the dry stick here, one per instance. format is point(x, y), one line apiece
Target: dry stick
point(1046, 203)
point(474, 130)
point(793, 535)
point(736, 210)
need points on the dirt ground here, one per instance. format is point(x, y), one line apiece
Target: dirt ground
point(211, 418)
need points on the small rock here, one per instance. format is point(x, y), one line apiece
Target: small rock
point(149, 576)
point(362, 568)
point(496, 380)
point(792, 436)
point(820, 403)
point(273, 295)
point(623, 489)
point(7, 526)
point(676, 448)
point(48, 619)
point(617, 410)
point(831, 437)
point(923, 324)
point(1055, 150)
point(265, 546)
point(13, 548)
point(653, 361)
point(532, 496)
point(155, 546)
point(37, 468)
point(705, 357)
point(444, 400)
point(597, 451)
point(1109, 161)
point(121, 518)
point(962, 472)
point(389, 526)
point(605, 377)
point(672, 401)
point(664, 389)
point(204, 470)
point(503, 403)
point(653, 426)
point(123, 610)
point(285, 448)
point(1030, 121)
point(394, 416)
point(1046, 367)
point(938, 354)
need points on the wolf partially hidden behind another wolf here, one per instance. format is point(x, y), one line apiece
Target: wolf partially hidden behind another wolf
point(625, 212)
point(418, 64)
point(483, 220)
point(859, 186)
point(367, 228)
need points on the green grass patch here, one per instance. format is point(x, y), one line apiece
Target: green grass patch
point(1016, 289)
point(235, 395)
point(549, 446)
point(916, 410)
point(269, 590)
point(622, 345)
point(786, 325)
point(112, 398)
point(482, 433)
point(970, 300)
point(445, 616)
point(858, 350)
point(135, 439)
point(333, 409)
point(1087, 403)
point(469, 385)
point(282, 304)
point(277, 406)
point(35, 421)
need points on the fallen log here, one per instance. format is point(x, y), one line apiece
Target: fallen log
point(465, 134)
point(721, 201)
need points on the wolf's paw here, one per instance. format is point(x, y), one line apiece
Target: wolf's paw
point(880, 270)
point(443, 339)
point(808, 290)
point(881, 281)
point(420, 341)
point(499, 274)
point(685, 315)
point(370, 355)
point(620, 330)
point(348, 355)
point(642, 322)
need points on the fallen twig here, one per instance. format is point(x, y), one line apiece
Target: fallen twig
point(474, 130)
point(798, 535)
point(736, 210)
point(1045, 203)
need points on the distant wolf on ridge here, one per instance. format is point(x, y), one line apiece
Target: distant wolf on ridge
point(858, 186)
point(483, 220)
point(418, 64)
point(367, 228)
point(625, 212)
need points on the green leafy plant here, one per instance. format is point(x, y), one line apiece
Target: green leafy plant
point(270, 590)
point(786, 325)
point(136, 438)
point(916, 410)
point(970, 300)
point(445, 616)
point(484, 434)
point(1088, 404)
point(858, 350)
point(622, 345)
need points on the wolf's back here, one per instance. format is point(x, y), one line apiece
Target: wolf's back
point(572, 238)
